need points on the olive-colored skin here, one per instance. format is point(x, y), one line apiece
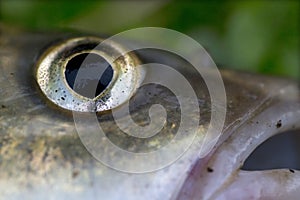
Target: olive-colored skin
point(42, 157)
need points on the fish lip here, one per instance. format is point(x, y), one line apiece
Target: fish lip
point(217, 177)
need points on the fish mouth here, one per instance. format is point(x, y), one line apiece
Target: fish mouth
point(218, 177)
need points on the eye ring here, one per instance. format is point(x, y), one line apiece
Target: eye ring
point(51, 74)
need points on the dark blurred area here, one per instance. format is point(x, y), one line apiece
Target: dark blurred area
point(278, 152)
point(256, 36)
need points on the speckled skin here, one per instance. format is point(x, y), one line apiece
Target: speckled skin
point(42, 157)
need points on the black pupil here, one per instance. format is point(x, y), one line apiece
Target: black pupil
point(88, 74)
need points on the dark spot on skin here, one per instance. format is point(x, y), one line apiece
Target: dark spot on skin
point(3, 106)
point(75, 173)
point(257, 122)
point(210, 170)
point(45, 156)
point(279, 124)
point(63, 98)
point(12, 74)
point(291, 170)
point(29, 151)
point(55, 90)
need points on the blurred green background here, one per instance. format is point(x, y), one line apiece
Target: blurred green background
point(256, 36)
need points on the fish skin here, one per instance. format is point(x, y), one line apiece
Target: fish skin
point(42, 157)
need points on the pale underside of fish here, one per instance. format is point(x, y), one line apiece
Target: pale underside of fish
point(42, 157)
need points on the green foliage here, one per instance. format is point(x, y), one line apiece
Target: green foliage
point(258, 36)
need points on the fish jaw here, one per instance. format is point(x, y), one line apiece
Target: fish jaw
point(220, 176)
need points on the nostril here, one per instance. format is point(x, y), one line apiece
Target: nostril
point(88, 74)
point(278, 152)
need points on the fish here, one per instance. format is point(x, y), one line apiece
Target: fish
point(42, 155)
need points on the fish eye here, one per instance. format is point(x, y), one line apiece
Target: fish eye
point(88, 74)
point(94, 63)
